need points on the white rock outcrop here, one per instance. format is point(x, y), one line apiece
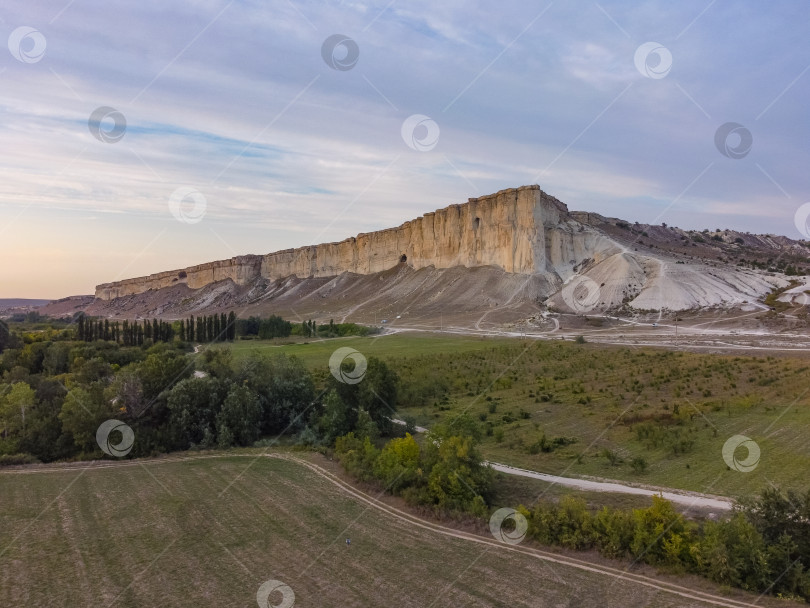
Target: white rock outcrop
point(520, 230)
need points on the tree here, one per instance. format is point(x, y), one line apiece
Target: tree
point(398, 464)
point(639, 464)
point(285, 391)
point(126, 393)
point(79, 329)
point(358, 456)
point(43, 435)
point(193, 405)
point(734, 553)
point(82, 412)
point(241, 414)
point(217, 330)
point(376, 394)
point(775, 513)
point(217, 362)
point(661, 534)
point(160, 371)
point(457, 471)
point(56, 359)
point(18, 402)
point(231, 326)
point(338, 418)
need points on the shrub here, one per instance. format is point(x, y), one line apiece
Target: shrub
point(12, 459)
point(638, 464)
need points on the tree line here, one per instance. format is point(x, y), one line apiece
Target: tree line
point(203, 328)
point(127, 333)
point(209, 328)
point(55, 394)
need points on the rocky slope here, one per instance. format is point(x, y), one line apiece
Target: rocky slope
point(501, 256)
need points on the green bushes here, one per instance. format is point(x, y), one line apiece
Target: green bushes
point(759, 549)
point(448, 473)
point(12, 459)
point(546, 446)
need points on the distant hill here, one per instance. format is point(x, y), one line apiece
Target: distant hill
point(11, 305)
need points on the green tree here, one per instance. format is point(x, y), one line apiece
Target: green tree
point(338, 418)
point(457, 471)
point(242, 414)
point(358, 456)
point(285, 391)
point(82, 412)
point(218, 362)
point(17, 402)
point(193, 404)
point(376, 394)
point(56, 360)
point(661, 535)
point(231, 326)
point(160, 371)
point(733, 553)
point(217, 329)
point(398, 465)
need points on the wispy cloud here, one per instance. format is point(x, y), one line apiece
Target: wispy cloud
point(201, 86)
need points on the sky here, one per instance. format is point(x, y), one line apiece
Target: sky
point(149, 136)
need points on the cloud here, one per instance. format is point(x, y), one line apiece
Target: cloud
point(235, 101)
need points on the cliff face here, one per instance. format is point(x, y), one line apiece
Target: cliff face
point(523, 231)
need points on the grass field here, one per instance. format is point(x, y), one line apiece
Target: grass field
point(675, 410)
point(315, 353)
point(209, 532)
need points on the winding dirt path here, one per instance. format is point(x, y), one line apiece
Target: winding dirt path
point(615, 573)
point(490, 543)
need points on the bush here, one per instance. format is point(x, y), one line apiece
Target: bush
point(638, 464)
point(12, 459)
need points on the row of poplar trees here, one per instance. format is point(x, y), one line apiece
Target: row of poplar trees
point(207, 328)
point(127, 333)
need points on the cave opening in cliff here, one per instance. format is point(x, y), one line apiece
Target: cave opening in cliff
point(182, 274)
point(403, 258)
point(476, 223)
